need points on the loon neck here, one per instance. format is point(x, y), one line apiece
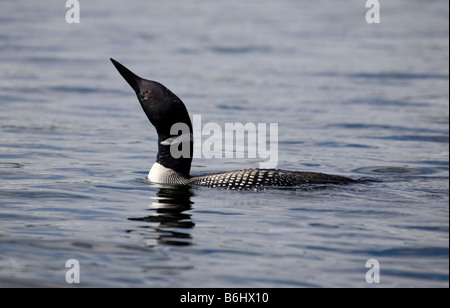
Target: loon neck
point(175, 153)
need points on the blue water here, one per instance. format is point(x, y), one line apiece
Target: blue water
point(370, 101)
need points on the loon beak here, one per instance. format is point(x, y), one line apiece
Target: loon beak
point(132, 79)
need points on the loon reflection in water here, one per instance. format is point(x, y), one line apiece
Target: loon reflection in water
point(168, 214)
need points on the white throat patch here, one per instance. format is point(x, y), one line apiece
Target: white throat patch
point(162, 175)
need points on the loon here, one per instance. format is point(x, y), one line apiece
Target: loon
point(163, 108)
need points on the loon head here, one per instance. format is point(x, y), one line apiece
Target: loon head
point(163, 109)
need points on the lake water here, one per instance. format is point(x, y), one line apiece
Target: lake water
point(369, 101)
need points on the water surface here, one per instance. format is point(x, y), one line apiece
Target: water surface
point(366, 101)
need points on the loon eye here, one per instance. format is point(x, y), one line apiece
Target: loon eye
point(147, 94)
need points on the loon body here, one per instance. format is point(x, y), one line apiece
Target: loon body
point(164, 109)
